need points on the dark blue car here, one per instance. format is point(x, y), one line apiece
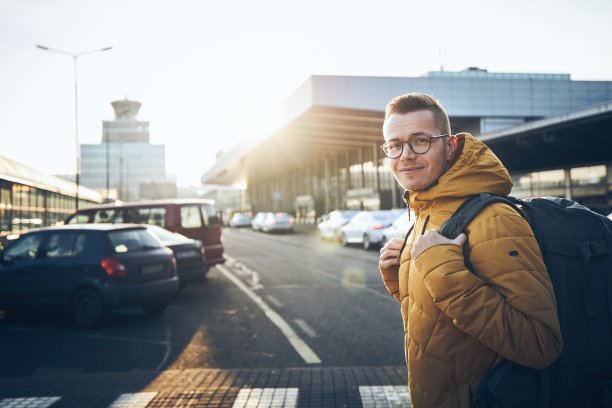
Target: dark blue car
point(88, 269)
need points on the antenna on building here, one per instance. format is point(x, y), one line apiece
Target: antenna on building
point(442, 57)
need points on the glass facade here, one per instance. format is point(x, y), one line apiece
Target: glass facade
point(122, 166)
point(585, 185)
point(23, 207)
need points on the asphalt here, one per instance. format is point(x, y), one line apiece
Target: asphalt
point(292, 387)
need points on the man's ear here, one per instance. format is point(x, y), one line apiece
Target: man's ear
point(453, 150)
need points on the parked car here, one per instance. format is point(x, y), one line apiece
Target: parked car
point(257, 221)
point(239, 220)
point(193, 218)
point(329, 227)
point(188, 252)
point(277, 222)
point(88, 270)
point(399, 228)
point(366, 227)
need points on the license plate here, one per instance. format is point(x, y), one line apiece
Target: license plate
point(147, 269)
point(187, 254)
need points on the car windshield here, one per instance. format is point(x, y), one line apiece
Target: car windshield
point(130, 240)
point(348, 214)
point(166, 235)
point(383, 216)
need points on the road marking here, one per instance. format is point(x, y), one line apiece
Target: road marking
point(385, 396)
point(305, 327)
point(135, 400)
point(307, 354)
point(385, 296)
point(28, 402)
point(266, 397)
point(91, 336)
point(275, 301)
point(168, 343)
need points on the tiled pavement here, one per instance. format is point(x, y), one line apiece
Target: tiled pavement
point(292, 387)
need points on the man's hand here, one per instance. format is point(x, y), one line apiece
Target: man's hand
point(433, 238)
point(390, 252)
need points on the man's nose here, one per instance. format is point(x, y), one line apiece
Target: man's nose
point(407, 153)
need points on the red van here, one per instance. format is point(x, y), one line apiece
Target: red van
point(193, 218)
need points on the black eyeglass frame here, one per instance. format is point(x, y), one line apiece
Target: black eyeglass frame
point(430, 138)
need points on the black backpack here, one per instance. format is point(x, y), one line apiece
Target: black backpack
point(576, 244)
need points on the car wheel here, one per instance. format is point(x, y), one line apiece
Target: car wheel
point(366, 242)
point(87, 308)
point(344, 240)
point(155, 308)
point(383, 241)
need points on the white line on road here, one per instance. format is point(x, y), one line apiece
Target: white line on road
point(266, 397)
point(168, 343)
point(305, 327)
point(91, 336)
point(274, 301)
point(396, 396)
point(28, 402)
point(307, 354)
point(135, 400)
point(310, 268)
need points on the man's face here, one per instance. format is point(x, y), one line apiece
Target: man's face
point(416, 172)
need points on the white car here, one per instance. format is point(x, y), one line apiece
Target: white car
point(257, 221)
point(366, 228)
point(399, 228)
point(280, 221)
point(240, 220)
point(329, 227)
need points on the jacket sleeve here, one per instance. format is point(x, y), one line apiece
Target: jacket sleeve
point(391, 280)
point(507, 302)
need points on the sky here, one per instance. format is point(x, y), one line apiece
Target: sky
point(211, 73)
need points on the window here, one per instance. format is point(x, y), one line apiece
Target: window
point(63, 244)
point(24, 248)
point(132, 240)
point(157, 216)
point(80, 219)
point(190, 216)
point(104, 216)
point(210, 217)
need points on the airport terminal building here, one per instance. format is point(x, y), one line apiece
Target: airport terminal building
point(553, 133)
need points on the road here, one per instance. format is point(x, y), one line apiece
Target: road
point(281, 302)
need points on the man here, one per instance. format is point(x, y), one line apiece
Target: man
point(458, 323)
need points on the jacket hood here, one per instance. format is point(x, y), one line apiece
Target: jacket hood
point(476, 170)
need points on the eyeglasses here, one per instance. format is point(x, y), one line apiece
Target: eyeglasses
point(420, 145)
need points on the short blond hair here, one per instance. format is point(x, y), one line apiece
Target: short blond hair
point(412, 102)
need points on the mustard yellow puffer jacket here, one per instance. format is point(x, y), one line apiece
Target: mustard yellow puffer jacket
point(459, 323)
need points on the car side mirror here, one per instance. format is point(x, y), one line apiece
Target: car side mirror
point(6, 260)
point(212, 220)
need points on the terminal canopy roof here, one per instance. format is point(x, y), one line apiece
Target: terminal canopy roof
point(341, 118)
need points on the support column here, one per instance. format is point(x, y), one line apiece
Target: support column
point(326, 183)
point(362, 169)
point(375, 163)
point(347, 180)
point(568, 183)
point(337, 186)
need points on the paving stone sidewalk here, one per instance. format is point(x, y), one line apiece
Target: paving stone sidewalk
point(292, 387)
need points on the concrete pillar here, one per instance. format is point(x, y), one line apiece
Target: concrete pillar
point(336, 173)
point(362, 169)
point(568, 183)
point(375, 163)
point(326, 183)
point(347, 180)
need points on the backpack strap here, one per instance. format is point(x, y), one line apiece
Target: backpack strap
point(470, 208)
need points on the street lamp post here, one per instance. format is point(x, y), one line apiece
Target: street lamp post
point(76, 108)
